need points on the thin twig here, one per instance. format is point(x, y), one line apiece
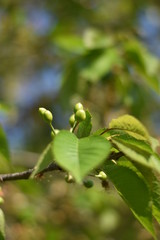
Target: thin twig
point(51, 167)
point(26, 174)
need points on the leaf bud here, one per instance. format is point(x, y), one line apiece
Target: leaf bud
point(69, 178)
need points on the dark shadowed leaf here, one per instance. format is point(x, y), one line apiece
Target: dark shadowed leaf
point(134, 191)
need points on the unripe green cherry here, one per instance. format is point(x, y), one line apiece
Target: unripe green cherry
point(77, 107)
point(42, 110)
point(72, 120)
point(48, 116)
point(80, 115)
point(88, 183)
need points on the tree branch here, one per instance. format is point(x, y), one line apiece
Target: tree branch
point(51, 167)
point(26, 174)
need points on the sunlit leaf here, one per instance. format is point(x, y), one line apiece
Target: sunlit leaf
point(79, 156)
point(70, 43)
point(137, 150)
point(131, 125)
point(93, 39)
point(154, 143)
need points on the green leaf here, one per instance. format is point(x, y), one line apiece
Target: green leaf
point(152, 81)
point(146, 65)
point(154, 143)
point(100, 65)
point(134, 191)
point(154, 186)
point(5, 107)
point(69, 82)
point(2, 225)
point(100, 131)
point(134, 54)
point(137, 150)
point(133, 143)
point(79, 156)
point(85, 126)
point(156, 198)
point(4, 149)
point(131, 125)
point(70, 43)
point(45, 159)
point(4, 153)
point(152, 181)
point(94, 39)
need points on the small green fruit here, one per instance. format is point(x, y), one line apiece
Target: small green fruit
point(77, 107)
point(80, 115)
point(42, 111)
point(72, 120)
point(88, 183)
point(48, 116)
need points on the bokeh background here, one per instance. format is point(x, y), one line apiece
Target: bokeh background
point(53, 54)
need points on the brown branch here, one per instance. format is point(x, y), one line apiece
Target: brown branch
point(26, 174)
point(51, 167)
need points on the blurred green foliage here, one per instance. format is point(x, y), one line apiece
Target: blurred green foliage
point(54, 54)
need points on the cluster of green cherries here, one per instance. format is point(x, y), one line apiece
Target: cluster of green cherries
point(78, 116)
